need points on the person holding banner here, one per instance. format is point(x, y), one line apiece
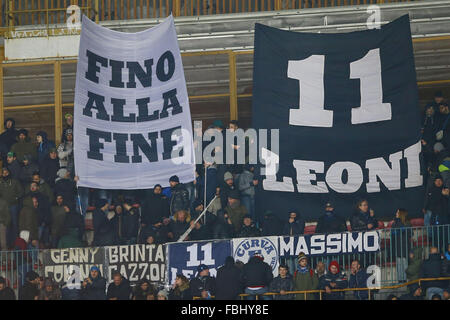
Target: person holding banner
point(104, 223)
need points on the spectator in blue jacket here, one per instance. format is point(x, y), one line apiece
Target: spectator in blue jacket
point(333, 280)
point(94, 286)
point(43, 147)
point(358, 279)
point(295, 224)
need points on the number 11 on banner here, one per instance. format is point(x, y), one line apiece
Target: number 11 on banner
point(310, 74)
point(207, 255)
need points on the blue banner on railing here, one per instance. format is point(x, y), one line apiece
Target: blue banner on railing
point(185, 257)
point(330, 244)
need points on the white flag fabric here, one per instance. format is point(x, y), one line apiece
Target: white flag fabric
point(132, 121)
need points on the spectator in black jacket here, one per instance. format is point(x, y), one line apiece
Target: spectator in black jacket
point(127, 219)
point(295, 225)
point(363, 219)
point(30, 289)
point(155, 212)
point(119, 289)
point(228, 281)
point(257, 276)
point(282, 283)
point(8, 137)
point(104, 223)
point(248, 229)
point(178, 227)
point(431, 268)
point(179, 199)
point(93, 287)
point(271, 225)
point(330, 222)
point(49, 168)
point(6, 293)
point(435, 201)
point(203, 285)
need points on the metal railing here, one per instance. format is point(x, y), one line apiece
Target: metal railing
point(30, 12)
point(321, 292)
point(395, 245)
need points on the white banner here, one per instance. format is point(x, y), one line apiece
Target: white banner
point(132, 121)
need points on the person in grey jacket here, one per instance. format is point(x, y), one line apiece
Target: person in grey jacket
point(246, 185)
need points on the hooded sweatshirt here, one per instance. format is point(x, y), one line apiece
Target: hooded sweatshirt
point(8, 137)
point(44, 147)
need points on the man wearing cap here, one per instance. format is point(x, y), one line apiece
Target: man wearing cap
point(24, 146)
point(203, 285)
point(13, 165)
point(94, 286)
point(305, 279)
point(226, 188)
point(330, 222)
point(179, 199)
point(235, 211)
point(30, 289)
point(11, 191)
point(333, 280)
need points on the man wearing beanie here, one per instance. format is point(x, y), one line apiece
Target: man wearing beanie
point(226, 188)
point(305, 279)
point(179, 199)
point(334, 279)
point(203, 285)
point(235, 211)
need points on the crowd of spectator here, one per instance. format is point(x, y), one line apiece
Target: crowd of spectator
point(253, 279)
point(41, 206)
